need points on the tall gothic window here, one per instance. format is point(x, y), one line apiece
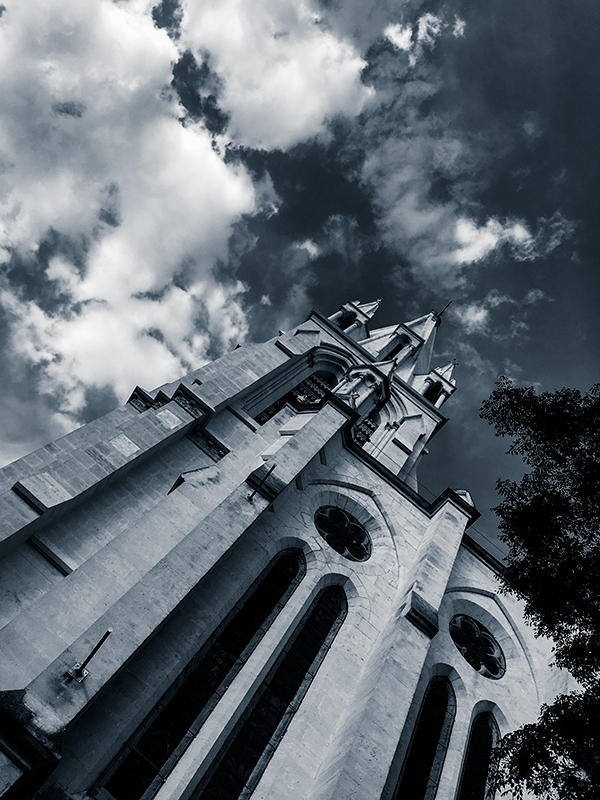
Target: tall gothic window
point(427, 751)
point(147, 758)
point(477, 778)
point(242, 760)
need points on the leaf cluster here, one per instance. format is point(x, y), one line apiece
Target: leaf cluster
point(550, 520)
point(559, 756)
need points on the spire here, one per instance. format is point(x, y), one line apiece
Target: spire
point(425, 327)
point(354, 317)
point(438, 314)
point(446, 372)
point(368, 309)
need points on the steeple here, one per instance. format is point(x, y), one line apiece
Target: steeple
point(369, 309)
point(354, 316)
point(425, 328)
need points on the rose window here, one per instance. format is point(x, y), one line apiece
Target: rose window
point(478, 647)
point(343, 532)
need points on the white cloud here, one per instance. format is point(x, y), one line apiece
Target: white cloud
point(475, 242)
point(136, 208)
point(309, 246)
point(426, 31)
point(536, 296)
point(93, 151)
point(400, 36)
point(441, 242)
point(429, 27)
point(284, 75)
point(459, 27)
point(474, 318)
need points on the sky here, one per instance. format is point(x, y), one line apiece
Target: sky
point(183, 176)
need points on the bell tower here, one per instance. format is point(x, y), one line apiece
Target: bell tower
point(231, 587)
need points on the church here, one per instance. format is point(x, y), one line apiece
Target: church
point(231, 587)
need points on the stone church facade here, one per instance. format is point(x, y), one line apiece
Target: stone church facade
point(230, 587)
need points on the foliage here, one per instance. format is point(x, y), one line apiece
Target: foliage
point(550, 520)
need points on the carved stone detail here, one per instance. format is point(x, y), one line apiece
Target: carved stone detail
point(307, 396)
point(206, 444)
point(363, 430)
point(188, 404)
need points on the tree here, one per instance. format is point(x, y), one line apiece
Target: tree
point(550, 520)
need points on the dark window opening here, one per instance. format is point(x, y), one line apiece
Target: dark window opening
point(433, 391)
point(402, 341)
point(478, 778)
point(346, 319)
point(242, 760)
point(309, 395)
point(427, 751)
point(145, 761)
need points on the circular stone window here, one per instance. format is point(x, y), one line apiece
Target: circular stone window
point(343, 532)
point(478, 646)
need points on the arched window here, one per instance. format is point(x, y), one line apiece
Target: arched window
point(427, 751)
point(477, 778)
point(242, 760)
point(142, 765)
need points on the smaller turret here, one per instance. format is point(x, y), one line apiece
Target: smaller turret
point(353, 318)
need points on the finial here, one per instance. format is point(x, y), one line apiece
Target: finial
point(438, 314)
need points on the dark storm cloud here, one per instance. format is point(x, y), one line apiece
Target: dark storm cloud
point(28, 272)
point(314, 246)
point(496, 127)
point(110, 210)
point(168, 15)
point(198, 87)
point(419, 153)
point(69, 108)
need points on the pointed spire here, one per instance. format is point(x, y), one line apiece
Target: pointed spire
point(446, 372)
point(354, 317)
point(368, 309)
point(425, 327)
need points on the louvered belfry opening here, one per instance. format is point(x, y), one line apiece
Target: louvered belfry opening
point(477, 779)
point(147, 758)
point(425, 759)
point(242, 760)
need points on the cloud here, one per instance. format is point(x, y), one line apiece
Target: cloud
point(473, 317)
point(285, 75)
point(438, 236)
point(311, 248)
point(113, 212)
point(427, 29)
point(535, 296)
point(400, 36)
point(121, 195)
point(476, 317)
